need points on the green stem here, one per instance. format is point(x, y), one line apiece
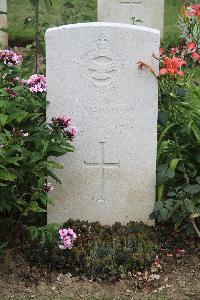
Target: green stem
point(195, 227)
point(180, 155)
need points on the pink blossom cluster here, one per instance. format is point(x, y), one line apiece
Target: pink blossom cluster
point(9, 57)
point(64, 122)
point(36, 83)
point(194, 10)
point(48, 187)
point(67, 236)
point(12, 93)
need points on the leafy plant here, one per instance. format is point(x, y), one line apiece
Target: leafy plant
point(178, 162)
point(100, 252)
point(27, 143)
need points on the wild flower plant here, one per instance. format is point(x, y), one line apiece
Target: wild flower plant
point(27, 142)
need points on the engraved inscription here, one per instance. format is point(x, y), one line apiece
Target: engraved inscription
point(131, 2)
point(103, 165)
point(101, 66)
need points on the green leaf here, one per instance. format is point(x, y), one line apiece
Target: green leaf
point(48, 4)
point(172, 168)
point(196, 132)
point(189, 205)
point(192, 189)
point(6, 175)
point(169, 203)
point(68, 4)
point(198, 179)
point(163, 214)
point(160, 140)
point(35, 207)
point(181, 92)
point(3, 119)
point(51, 164)
point(163, 117)
point(52, 175)
point(4, 29)
point(158, 206)
point(3, 12)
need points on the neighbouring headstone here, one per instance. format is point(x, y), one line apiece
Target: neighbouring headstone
point(150, 12)
point(93, 76)
point(3, 23)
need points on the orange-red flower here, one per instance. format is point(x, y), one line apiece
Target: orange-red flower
point(172, 66)
point(195, 56)
point(191, 47)
point(194, 10)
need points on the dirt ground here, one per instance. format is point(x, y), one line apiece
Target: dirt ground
point(175, 276)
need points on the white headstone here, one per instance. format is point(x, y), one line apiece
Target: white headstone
point(93, 76)
point(150, 12)
point(3, 24)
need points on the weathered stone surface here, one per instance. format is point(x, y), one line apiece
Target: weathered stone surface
point(92, 75)
point(3, 24)
point(150, 12)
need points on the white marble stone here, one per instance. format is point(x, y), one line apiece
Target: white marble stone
point(3, 24)
point(92, 75)
point(151, 12)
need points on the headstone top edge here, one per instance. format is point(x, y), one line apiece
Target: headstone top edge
point(101, 25)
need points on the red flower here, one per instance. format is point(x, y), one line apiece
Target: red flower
point(174, 51)
point(195, 56)
point(191, 47)
point(172, 66)
point(194, 10)
point(162, 50)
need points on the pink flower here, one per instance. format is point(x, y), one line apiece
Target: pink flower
point(194, 10)
point(62, 121)
point(67, 236)
point(36, 83)
point(48, 187)
point(23, 82)
point(12, 93)
point(174, 51)
point(71, 132)
point(162, 51)
point(9, 57)
point(181, 251)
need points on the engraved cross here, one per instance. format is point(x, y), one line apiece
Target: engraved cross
point(103, 165)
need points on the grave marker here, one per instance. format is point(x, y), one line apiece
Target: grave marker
point(92, 75)
point(3, 24)
point(150, 12)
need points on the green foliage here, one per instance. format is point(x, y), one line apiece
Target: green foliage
point(100, 252)
point(78, 11)
point(43, 233)
point(2, 249)
point(26, 144)
point(178, 170)
point(178, 160)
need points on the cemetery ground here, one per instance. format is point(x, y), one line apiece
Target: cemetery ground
point(176, 276)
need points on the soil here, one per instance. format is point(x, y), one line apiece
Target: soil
point(175, 276)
